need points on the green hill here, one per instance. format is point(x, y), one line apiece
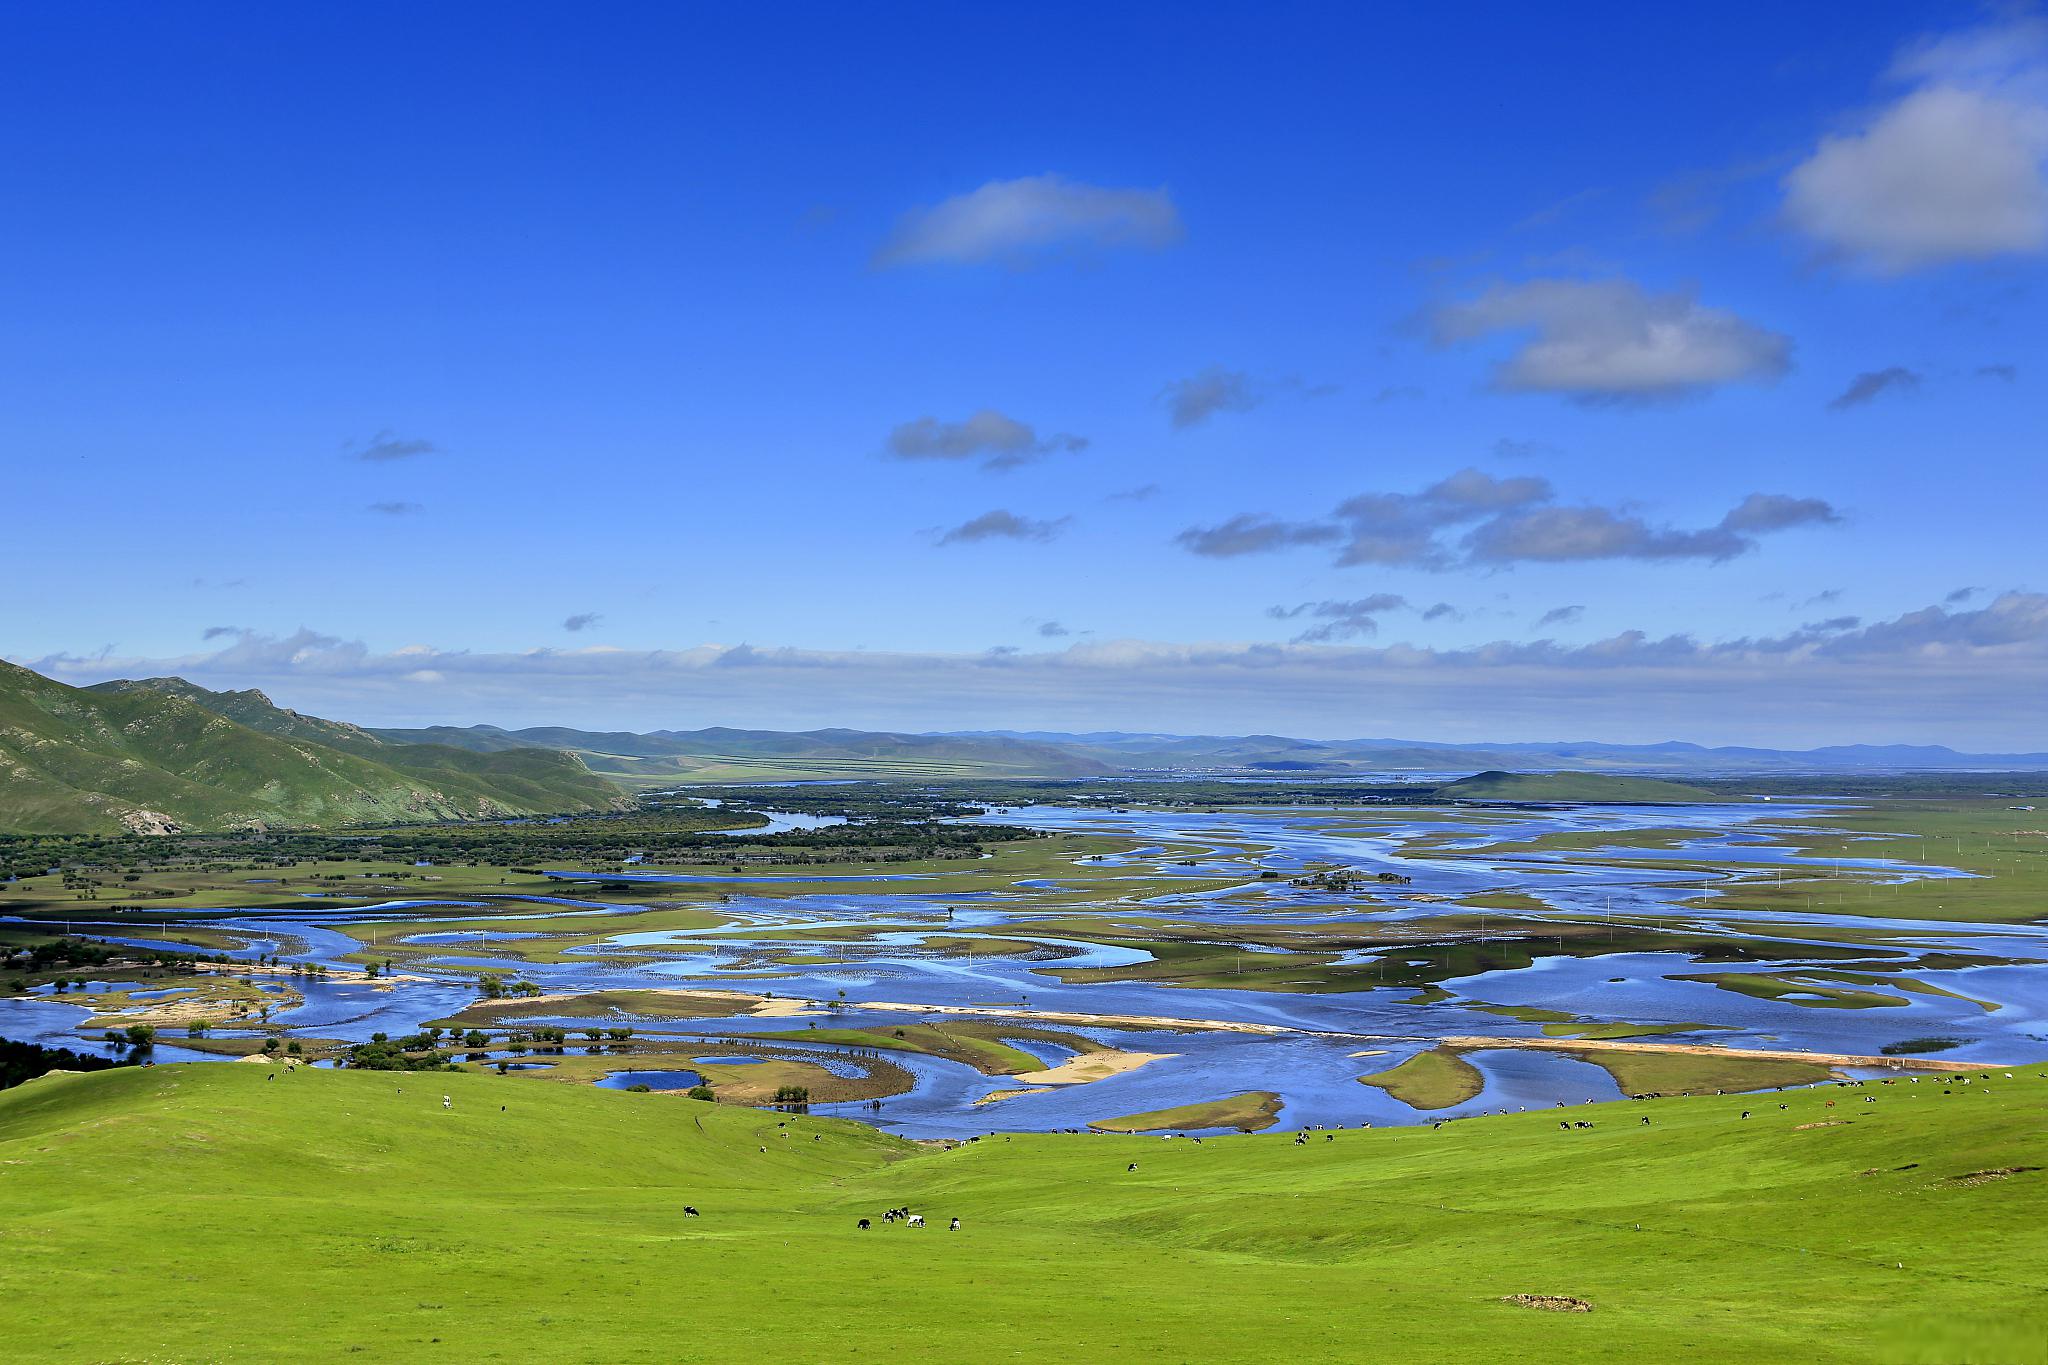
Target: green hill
point(1576, 788)
point(150, 756)
point(514, 781)
point(205, 1212)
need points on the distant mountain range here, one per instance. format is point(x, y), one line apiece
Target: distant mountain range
point(724, 755)
point(1278, 755)
point(163, 754)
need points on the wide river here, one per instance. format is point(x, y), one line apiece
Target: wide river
point(1985, 1012)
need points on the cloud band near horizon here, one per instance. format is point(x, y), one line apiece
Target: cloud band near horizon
point(1968, 678)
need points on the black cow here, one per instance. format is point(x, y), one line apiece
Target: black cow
point(862, 1225)
point(689, 1211)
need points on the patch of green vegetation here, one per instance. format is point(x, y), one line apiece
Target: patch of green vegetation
point(1698, 1073)
point(1575, 788)
point(1913, 1047)
point(1593, 1030)
point(985, 1054)
point(1248, 1113)
point(1436, 1079)
point(1528, 1014)
point(609, 1005)
point(1797, 989)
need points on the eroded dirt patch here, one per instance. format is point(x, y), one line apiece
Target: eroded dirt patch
point(1549, 1303)
point(1974, 1178)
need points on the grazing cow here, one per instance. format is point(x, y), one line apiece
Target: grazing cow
point(862, 1225)
point(1745, 1113)
point(953, 1226)
point(1646, 1120)
point(690, 1211)
point(1132, 1167)
point(916, 1220)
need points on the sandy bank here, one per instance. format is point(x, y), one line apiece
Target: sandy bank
point(1092, 1066)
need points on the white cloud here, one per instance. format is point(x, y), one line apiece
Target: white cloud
point(1016, 222)
point(1953, 170)
point(1613, 341)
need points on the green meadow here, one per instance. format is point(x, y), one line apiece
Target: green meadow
point(329, 1215)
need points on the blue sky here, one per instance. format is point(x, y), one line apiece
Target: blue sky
point(1610, 371)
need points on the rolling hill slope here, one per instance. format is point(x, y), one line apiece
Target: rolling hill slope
point(148, 758)
point(168, 1213)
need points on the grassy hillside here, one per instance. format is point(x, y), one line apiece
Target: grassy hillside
point(101, 760)
point(1584, 788)
point(512, 780)
point(175, 1213)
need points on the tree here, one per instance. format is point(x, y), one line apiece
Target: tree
point(141, 1037)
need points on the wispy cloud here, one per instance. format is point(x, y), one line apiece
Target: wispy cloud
point(1474, 519)
point(1251, 533)
point(1002, 525)
point(387, 445)
point(1559, 616)
point(395, 509)
point(1021, 222)
point(582, 620)
point(1341, 620)
point(998, 441)
point(1871, 383)
point(1194, 400)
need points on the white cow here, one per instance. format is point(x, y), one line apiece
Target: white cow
point(917, 1220)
